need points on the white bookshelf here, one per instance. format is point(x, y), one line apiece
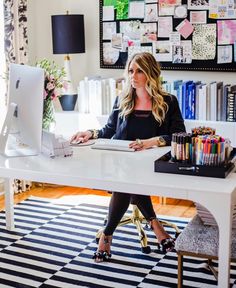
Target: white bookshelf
point(67, 123)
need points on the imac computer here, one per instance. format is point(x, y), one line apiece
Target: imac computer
point(21, 132)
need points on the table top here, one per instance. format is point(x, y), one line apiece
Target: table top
point(113, 170)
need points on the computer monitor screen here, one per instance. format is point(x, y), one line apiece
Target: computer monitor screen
point(22, 130)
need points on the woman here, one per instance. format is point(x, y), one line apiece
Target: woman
point(147, 116)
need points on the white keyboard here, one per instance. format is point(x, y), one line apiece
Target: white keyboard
point(112, 144)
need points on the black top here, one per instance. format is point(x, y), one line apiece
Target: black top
point(117, 127)
point(140, 125)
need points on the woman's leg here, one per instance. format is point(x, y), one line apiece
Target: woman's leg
point(119, 204)
point(144, 204)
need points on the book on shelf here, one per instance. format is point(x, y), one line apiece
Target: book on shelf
point(208, 103)
point(97, 95)
point(198, 85)
point(219, 97)
point(191, 95)
point(226, 89)
point(177, 91)
point(231, 104)
point(213, 101)
point(202, 102)
point(185, 98)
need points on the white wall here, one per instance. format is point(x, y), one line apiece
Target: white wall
point(40, 42)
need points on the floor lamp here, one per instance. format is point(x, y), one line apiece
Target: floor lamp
point(68, 38)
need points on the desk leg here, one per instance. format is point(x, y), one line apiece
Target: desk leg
point(9, 203)
point(225, 229)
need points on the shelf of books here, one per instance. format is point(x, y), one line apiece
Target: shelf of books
point(214, 101)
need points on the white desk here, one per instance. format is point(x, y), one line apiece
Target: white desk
point(129, 172)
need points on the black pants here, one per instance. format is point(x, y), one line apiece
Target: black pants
point(119, 204)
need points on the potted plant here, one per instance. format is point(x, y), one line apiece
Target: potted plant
point(54, 82)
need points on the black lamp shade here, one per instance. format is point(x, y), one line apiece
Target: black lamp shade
point(68, 34)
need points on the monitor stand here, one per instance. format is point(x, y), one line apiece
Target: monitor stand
point(8, 145)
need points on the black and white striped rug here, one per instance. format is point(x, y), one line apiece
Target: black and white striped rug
point(54, 241)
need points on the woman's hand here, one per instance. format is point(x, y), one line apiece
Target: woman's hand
point(81, 137)
point(139, 144)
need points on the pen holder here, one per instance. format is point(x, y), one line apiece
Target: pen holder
point(165, 165)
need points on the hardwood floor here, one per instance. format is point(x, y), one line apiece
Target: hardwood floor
point(172, 207)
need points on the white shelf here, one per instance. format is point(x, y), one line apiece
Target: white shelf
point(67, 123)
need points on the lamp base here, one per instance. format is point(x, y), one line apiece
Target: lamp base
point(68, 101)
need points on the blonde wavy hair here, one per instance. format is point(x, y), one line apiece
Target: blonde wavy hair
point(148, 64)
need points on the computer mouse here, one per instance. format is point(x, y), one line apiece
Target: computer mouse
point(76, 142)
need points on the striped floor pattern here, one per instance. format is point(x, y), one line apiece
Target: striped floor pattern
point(53, 243)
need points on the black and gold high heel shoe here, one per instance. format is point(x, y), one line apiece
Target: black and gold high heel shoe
point(166, 245)
point(103, 252)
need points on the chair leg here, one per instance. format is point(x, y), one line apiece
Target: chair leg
point(172, 225)
point(180, 271)
point(141, 233)
point(124, 221)
point(142, 237)
point(137, 219)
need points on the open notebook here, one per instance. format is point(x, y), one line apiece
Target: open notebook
point(112, 144)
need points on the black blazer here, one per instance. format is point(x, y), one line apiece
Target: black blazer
point(116, 126)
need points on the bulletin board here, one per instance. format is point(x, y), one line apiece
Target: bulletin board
point(181, 34)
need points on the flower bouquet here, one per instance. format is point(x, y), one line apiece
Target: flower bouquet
point(54, 82)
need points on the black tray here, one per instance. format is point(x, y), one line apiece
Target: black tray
point(165, 165)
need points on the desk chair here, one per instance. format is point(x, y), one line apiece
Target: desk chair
point(138, 219)
point(200, 241)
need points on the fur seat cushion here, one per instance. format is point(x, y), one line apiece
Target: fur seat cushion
point(202, 239)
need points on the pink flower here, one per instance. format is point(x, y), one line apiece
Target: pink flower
point(53, 96)
point(54, 79)
point(51, 78)
point(50, 86)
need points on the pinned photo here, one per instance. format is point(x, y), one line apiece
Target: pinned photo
point(185, 28)
point(131, 29)
point(224, 54)
point(175, 38)
point(165, 25)
point(151, 14)
point(162, 51)
point(226, 31)
point(109, 28)
point(108, 13)
point(116, 41)
point(136, 9)
point(138, 49)
point(148, 32)
point(180, 11)
point(204, 41)
point(110, 54)
point(182, 53)
point(198, 4)
point(198, 17)
point(167, 7)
